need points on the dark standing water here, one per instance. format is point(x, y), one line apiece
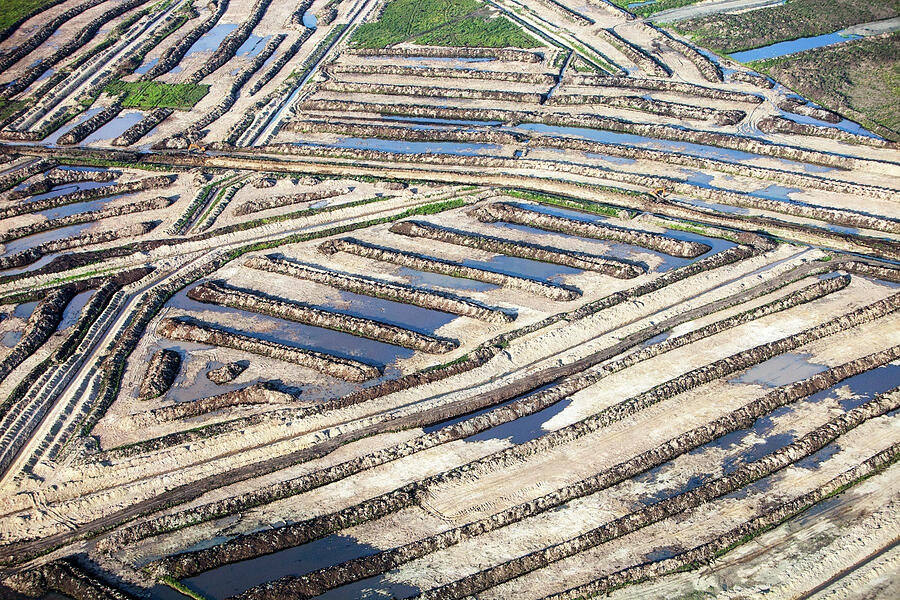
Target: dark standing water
point(232, 579)
point(212, 39)
point(115, 128)
point(24, 310)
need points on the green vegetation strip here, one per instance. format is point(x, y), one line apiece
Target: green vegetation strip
point(152, 94)
point(654, 7)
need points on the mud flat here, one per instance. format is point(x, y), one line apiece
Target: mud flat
point(298, 312)
point(577, 260)
point(446, 267)
point(191, 331)
point(510, 213)
point(161, 373)
point(389, 290)
point(776, 124)
point(269, 541)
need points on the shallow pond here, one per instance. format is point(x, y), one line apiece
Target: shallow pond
point(431, 281)
point(792, 46)
point(11, 338)
point(73, 310)
point(116, 127)
point(253, 46)
point(232, 579)
point(782, 370)
point(212, 39)
point(146, 66)
point(309, 20)
point(31, 241)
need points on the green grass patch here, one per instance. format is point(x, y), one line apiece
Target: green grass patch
point(404, 19)
point(13, 10)
point(441, 23)
point(152, 94)
point(479, 32)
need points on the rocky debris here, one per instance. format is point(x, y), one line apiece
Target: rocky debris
point(8, 180)
point(753, 79)
point(227, 372)
point(66, 577)
point(161, 374)
point(504, 54)
point(146, 183)
point(421, 262)
point(252, 206)
point(264, 182)
point(328, 15)
point(869, 270)
point(298, 312)
point(468, 135)
point(82, 130)
point(193, 133)
point(799, 106)
point(40, 326)
point(510, 213)
point(204, 333)
point(389, 290)
point(567, 12)
point(143, 127)
point(394, 186)
point(777, 124)
point(85, 217)
point(352, 87)
point(170, 59)
point(647, 63)
point(577, 260)
point(26, 257)
point(678, 87)
point(446, 73)
point(657, 107)
point(258, 393)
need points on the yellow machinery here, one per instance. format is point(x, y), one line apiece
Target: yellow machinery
point(195, 148)
point(661, 192)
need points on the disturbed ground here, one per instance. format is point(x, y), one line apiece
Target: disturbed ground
point(440, 299)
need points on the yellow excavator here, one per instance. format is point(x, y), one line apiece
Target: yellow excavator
point(194, 148)
point(660, 193)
